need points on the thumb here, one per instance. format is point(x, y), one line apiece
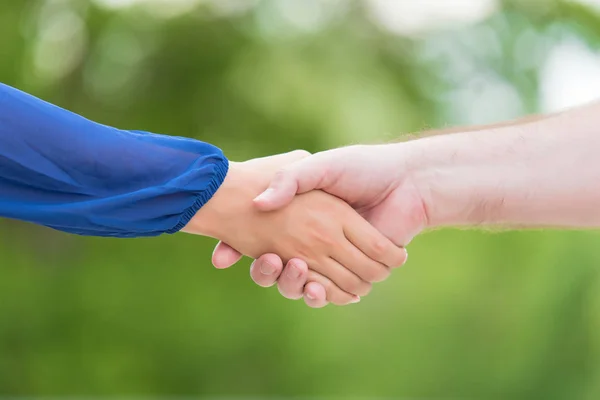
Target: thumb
point(299, 177)
point(280, 192)
point(224, 256)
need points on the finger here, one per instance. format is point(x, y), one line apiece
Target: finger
point(292, 280)
point(345, 279)
point(365, 268)
point(224, 256)
point(315, 295)
point(266, 270)
point(372, 243)
point(298, 177)
point(335, 295)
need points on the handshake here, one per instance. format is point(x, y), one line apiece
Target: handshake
point(338, 228)
point(338, 220)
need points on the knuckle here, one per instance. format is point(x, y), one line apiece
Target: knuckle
point(320, 237)
point(328, 242)
point(304, 250)
point(281, 175)
point(380, 247)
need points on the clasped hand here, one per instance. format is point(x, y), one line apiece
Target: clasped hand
point(344, 253)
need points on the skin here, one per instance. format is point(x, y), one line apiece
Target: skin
point(342, 251)
point(539, 172)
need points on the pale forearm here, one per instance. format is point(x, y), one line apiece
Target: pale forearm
point(536, 173)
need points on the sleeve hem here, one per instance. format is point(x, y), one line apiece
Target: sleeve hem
point(221, 168)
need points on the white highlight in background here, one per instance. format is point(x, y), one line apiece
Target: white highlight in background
point(406, 17)
point(570, 77)
point(594, 4)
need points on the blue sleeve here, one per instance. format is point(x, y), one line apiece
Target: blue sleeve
point(63, 171)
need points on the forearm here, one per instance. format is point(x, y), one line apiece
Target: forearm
point(539, 173)
point(479, 128)
point(61, 170)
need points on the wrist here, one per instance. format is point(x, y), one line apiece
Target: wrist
point(460, 178)
point(236, 192)
point(226, 213)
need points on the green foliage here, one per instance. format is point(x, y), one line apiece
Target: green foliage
point(510, 315)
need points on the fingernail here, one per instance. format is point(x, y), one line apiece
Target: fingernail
point(310, 296)
point(404, 261)
point(264, 195)
point(293, 272)
point(266, 268)
point(355, 300)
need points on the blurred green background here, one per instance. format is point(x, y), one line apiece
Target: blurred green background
point(472, 314)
